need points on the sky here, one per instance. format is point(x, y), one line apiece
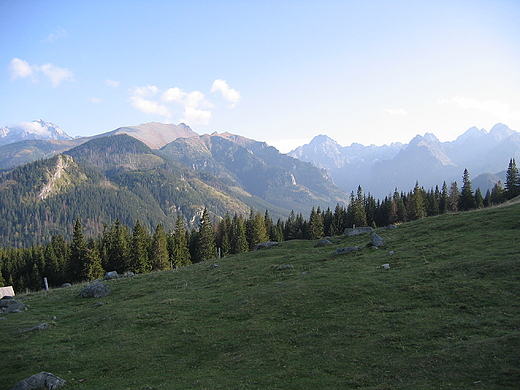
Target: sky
point(370, 72)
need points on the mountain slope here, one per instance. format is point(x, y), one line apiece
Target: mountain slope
point(37, 129)
point(258, 169)
point(444, 316)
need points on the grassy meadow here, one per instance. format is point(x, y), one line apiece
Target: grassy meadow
point(446, 315)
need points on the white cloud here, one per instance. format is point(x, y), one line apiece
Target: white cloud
point(396, 111)
point(20, 69)
point(502, 111)
point(173, 95)
point(96, 100)
point(112, 83)
point(59, 33)
point(56, 75)
point(196, 110)
point(140, 99)
point(229, 94)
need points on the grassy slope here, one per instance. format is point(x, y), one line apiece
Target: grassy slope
point(446, 315)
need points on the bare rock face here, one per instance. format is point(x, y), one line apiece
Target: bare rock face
point(95, 290)
point(43, 380)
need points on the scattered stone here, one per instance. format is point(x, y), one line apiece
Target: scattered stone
point(347, 249)
point(385, 266)
point(3, 318)
point(213, 266)
point(356, 231)
point(53, 318)
point(38, 327)
point(323, 242)
point(111, 275)
point(128, 274)
point(43, 380)
point(11, 305)
point(265, 245)
point(98, 304)
point(283, 267)
point(391, 253)
point(377, 240)
point(66, 285)
point(95, 290)
point(389, 227)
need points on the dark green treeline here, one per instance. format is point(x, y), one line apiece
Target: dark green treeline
point(140, 251)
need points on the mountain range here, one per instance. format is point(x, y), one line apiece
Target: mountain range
point(117, 176)
point(425, 159)
point(153, 172)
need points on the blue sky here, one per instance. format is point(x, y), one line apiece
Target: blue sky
point(275, 71)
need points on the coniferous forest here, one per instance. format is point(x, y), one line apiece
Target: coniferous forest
point(136, 249)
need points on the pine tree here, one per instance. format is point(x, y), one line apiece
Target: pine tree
point(315, 225)
point(467, 199)
point(93, 269)
point(179, 253)
point(453, 197)
point(117, 248)
point(255, 229)
point(512, 184)
point(159, 257)
point(138, 259)
point(497, 194)
point(356, 215)
point(443, 202)
point(78, 254)
point(339, 221)
point(206, 248)
point(238, 235)
point(223, 235)
point(479, 200)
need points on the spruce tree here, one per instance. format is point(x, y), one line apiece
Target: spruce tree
point(467, 199)
point(179, 253)
point(93, 269)
point(479, 200)
point(78, 254)
point(238, 235)
point(512, 184)
point(159, 257)
point(206, 248)
point(315, 225)
point(117, 248)
point(453, 197)
point(138, 259)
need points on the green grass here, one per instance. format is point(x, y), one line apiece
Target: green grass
point(446, 315)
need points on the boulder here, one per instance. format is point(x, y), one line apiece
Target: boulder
point(347, 249)
point(358, 230)
point(43, 380)
point(322, 243)
point(376, 240)
point(265, 245)
point(384, 266)
point(41, 326)
point(66, 285)
point(11, 305)
point(95, 290)
point(111, 275)
point(6, 291)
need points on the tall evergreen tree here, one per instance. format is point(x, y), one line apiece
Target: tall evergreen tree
point(315, 225)
point(238, 235)
point(339, 222)
point(224, 235)
point(255, 229)
point(78, 254)
point(443, 202)
point(93, 268)
point(467, 199)
point(159, 257)
point(479, 200)
point(138, 259)
point(453, 197)
point(512, 184)
point(206, 248)
point(497, 194)
point(179, 253)
point(117, 248)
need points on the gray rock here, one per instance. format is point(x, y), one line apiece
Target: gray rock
point(347, 249)
point(377, 240)
point(11, 305)
point(43, 380)
point(128, 274)
point(111, 275)
point(41, 326)
point(213, 266)
point(358, 230)
point(95, 290)
point(265, 245)
point(66, 285)
point(384, 266)
point(322, 243)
